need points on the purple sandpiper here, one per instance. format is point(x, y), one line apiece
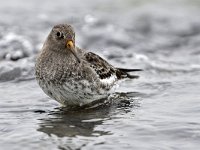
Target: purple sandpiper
point(74, 76)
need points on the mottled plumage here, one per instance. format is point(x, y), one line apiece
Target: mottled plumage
point(71, 75)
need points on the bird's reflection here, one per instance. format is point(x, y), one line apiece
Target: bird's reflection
point(65, 123)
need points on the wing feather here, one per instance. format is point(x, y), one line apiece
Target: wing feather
point(106, 72)
point(102, 68)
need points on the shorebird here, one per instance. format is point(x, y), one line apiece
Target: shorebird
point(74, 76)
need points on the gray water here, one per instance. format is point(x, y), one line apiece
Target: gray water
point(160, 110)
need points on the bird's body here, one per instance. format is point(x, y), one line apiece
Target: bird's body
point(71, 75)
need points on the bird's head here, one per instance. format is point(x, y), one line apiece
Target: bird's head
point(62, 39)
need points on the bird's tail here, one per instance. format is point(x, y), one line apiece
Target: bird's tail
point(123, 73)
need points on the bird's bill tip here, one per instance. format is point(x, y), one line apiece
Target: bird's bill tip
point(71, 47)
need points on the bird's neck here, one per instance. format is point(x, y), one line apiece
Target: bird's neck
point(62, 57)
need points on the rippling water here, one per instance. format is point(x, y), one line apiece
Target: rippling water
point(160, 110)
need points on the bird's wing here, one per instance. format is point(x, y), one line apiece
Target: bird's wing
point(106, 72)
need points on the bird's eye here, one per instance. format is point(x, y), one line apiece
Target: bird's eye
point(59, 34)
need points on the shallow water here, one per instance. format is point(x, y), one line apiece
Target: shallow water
point(160, 110)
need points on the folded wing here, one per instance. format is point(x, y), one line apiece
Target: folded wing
point(106, 72)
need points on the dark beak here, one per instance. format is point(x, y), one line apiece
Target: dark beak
point(71, 47)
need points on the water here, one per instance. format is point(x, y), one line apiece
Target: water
point(160, 110)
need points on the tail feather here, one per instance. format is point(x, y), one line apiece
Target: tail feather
point(129, 70)
point(123, 73)
point(132, 76)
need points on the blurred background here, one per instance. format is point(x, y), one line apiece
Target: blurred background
point(160, 110)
